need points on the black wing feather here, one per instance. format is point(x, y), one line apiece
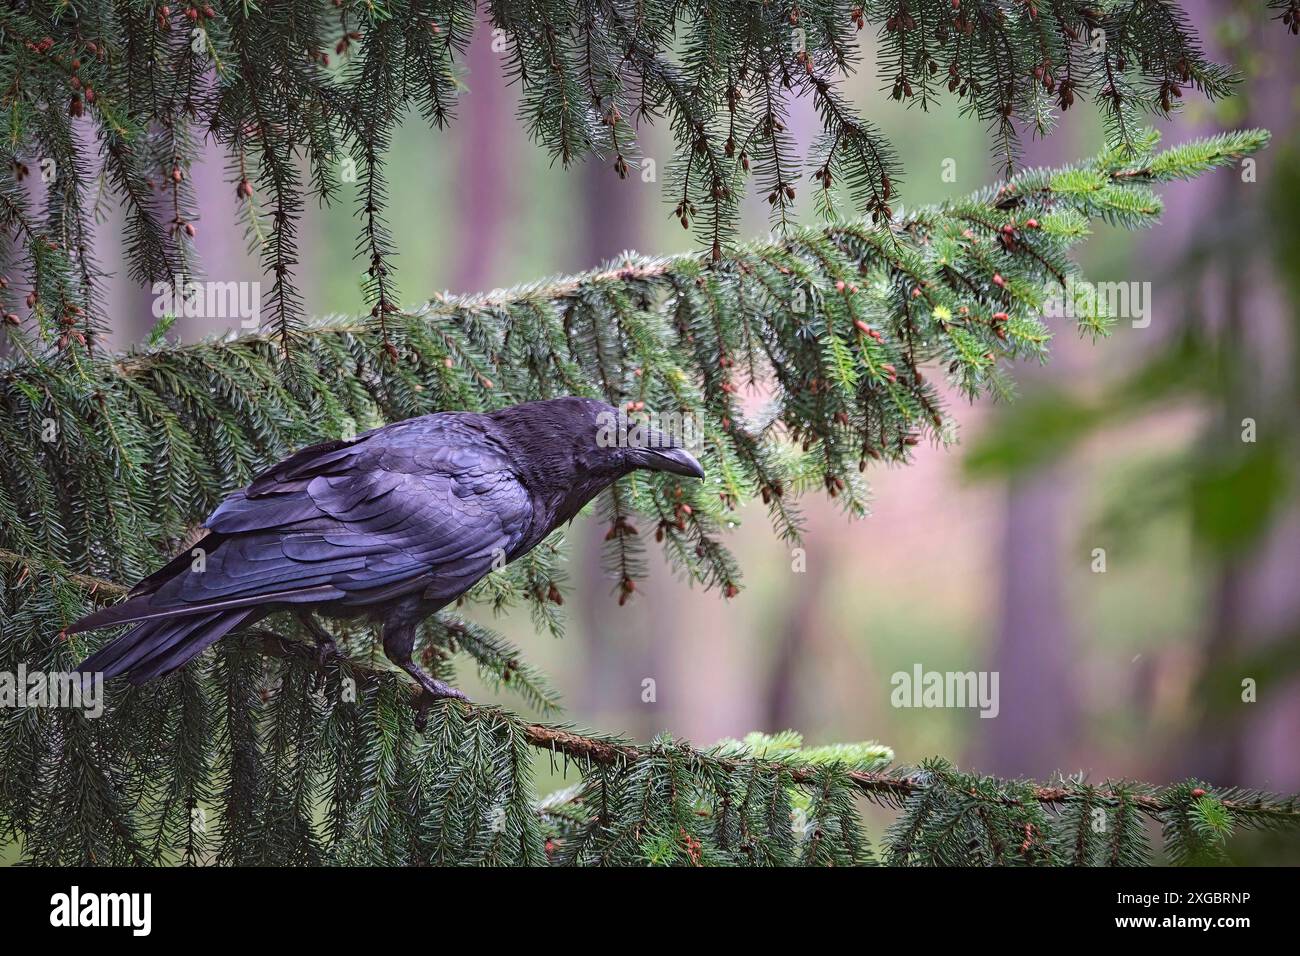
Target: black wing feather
point(423, 506)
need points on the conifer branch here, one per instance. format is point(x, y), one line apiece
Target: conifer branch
point(887, 787)
point(261, 82)
point(848, 321)
point(891, 787)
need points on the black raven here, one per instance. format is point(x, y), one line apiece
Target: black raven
point(393, 524)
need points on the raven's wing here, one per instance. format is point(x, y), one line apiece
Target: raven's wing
point(424, 506)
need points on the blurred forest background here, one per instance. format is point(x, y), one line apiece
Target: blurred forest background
point(978, 558)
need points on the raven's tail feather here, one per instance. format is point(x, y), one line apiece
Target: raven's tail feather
point(158, 647)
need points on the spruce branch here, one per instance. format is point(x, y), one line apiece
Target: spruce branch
point(892, 787)
point(260, 81)
point(848, 322)
point(886, 787)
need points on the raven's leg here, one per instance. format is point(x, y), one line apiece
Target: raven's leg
point(399, 639)
point(325, 646)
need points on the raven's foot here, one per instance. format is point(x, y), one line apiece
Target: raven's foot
point(434, 689)
point(432, 686)
point(399, 640)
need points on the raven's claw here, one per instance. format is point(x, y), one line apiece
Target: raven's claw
point(399, 639)
point(434, 687)
point(434, 690)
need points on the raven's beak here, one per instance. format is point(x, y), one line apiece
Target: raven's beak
point(658, 452)
point(676, 460)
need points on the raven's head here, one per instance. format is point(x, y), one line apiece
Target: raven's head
point(578, 446)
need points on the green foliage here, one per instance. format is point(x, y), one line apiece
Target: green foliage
point(1230, 486)
point(840, 320)
point(257, 754)
point(142, 83)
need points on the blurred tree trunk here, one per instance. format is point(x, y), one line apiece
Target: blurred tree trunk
point(1034, 652)
point(485, 184)
point(221, 255)
point(797, 639)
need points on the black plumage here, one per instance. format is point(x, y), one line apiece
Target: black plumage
point(393, 524)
